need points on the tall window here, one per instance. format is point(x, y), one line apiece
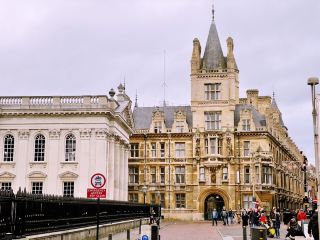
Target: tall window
point(213, 146)
point(153, 175)
point(157, 127)
point(246, 148)
point(246, 125)
point(212, 120)
point(247, 201)
point(152, 198)
point(70, 148)
point(162, 174)
point(133, 197)
point(257, 172)
point(179, 126)
point(225, 174)
point(37, 187)
point(39, 148)
point(134, 150)
point(162, 150)
point(180, 175)
point(5, 186)
point(266, 175)
point(180, 150)
point(202, 174)
point(180, 200)
point(8, 148)
point(162, 200)
point(68, 189)
point(246, 174)
point(153, 150)
point(212, 91)
point(133, 175)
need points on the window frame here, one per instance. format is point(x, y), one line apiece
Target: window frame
point(245, 124)
point(134, 150)
point(153, 150)
point(162, 175)
point(180, 174)
point(246, 148)
point(247, 175)
point(134, 175)
point(225, 174)
point(202, 174)
point(68, 189)
point(212, 91)
point(180, 200)
point(180, 149)
point(39, 148)
point(153, 174)
point(70, 148)
point(212, 120)
point(8, 148)
point(37, 187)
point(6, 186)
point(133, 197)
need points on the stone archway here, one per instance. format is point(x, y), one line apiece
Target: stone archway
point(213, 201)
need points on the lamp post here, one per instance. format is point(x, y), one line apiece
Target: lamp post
point(144, 188)
point(313, 82)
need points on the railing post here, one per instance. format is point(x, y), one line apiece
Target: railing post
point(128, 234)
point(110, 237)
point(98, 213)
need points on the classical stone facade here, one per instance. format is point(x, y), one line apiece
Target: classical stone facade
point(53, 145)
point(221, 150)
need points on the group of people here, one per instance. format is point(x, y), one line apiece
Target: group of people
point(272, 220)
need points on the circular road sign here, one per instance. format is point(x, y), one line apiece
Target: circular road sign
point(98, 180)
point(145, 237)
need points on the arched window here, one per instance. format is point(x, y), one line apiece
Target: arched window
point(8, 148)
point(39, 148)
point(70, 148)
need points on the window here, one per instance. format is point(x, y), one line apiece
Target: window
point(180, 200)
point(134, 150)
point(225, 174)
point(247, 201)
point(266, 175)
point(246, 148)
point(162, 174)
point(246, 174)
point(257, 171)
point(179, 126)
point(153, 150)
point(133, 175)
point(37, 187)
point(213, 146)
point(162, 201)
point(153, 175)
point(212, 91)
point(212, 120)
point(157, 127)
point(152, 198)
point(5, 186)
point(246, 125)
point(180, 150)
point(180, 175)
point(162, 150)
point(39, 147)
point(68, 189)
point(8, 148)
point(202, 174)
point(70, 148)
point(133, 197)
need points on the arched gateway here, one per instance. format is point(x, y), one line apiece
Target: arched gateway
point(212, 201)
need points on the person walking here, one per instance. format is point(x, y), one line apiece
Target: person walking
point(214, 217)
point(277, 222)
point(313, 229)
point(224, 216)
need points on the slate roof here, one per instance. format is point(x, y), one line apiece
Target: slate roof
point(142, 116)
point(258, 118)
point(275, 106)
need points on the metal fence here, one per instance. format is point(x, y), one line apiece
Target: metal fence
point(25, 214)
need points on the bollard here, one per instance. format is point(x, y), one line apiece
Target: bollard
point(128, 234)
point(140, 226)
point(244, 228)
point(154, 232)
point(110, 237)
point(8, 236)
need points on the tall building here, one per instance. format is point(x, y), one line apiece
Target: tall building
point(55, 144)
point(221, 150)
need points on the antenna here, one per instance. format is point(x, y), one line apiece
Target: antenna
point(164, 78)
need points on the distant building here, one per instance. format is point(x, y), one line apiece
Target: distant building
point(54, 144)
point(221, 150)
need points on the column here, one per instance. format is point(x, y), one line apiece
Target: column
point(116, 168)
point(110, 181)
point(126, 172)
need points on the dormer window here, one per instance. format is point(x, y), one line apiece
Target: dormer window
point(212, 91)
point(179, 126)
point(157, 127)
point(245, 125)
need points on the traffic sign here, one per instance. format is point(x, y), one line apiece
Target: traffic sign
point(145, 237)
point(98, 180)
point(96, 193)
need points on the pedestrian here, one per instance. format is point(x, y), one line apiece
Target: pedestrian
point(256, 218)
point(273, 215)
point(214, 217)
point(277, 222)
point(230, 216)
point(245, 218)
point(224, 216)
point(313, 229)
point(286, 216)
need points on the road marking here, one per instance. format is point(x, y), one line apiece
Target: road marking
point(228, 238)
point(224, 238)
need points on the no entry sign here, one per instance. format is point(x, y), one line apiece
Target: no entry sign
point(98, 181)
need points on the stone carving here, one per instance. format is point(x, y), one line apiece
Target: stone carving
point(101, 133)
point(85, 133)
point(23, 134)
point(229, 147)
point(54, 134)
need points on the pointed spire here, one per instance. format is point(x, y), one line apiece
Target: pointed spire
point(136, 102)
point(212, 12)
point(274, 103)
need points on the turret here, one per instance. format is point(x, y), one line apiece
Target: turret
point(231, 62)
point(196, 53)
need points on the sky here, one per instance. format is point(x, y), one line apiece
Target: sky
point(87, 47)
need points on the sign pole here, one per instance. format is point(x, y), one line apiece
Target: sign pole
point(98, 213)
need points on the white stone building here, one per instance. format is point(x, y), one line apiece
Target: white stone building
point(53, 145)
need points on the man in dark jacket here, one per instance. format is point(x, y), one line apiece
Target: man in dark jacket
point(286, 217)
point(313, 226)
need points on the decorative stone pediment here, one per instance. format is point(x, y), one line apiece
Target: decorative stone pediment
point(7, 175)
point(37, 174)
point(23, 134)
point(68, 175)
point(85, 133)
point(101, 133)
point(54, 134)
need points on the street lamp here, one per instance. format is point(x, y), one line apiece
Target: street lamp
point(313, 82)
point(144, 190)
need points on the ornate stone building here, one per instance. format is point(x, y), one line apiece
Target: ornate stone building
point(221, 150)
point(53, 145)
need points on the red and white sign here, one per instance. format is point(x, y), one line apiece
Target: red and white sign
point(98, 181)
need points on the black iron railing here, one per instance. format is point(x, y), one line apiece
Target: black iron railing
point(25, 214)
